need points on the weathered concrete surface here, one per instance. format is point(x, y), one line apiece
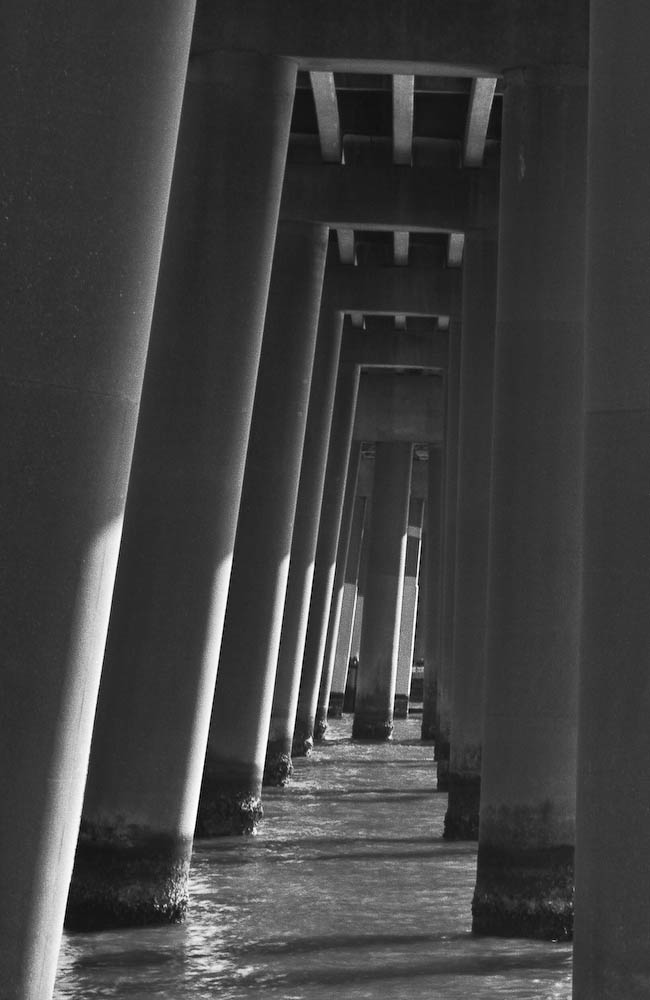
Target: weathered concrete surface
point(403, 408)
point(83, 204)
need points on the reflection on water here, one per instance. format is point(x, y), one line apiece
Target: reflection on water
point(347, 891)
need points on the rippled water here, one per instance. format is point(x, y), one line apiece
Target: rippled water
point(347, 891)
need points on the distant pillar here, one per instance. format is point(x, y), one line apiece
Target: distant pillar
point(303, 544)
point(433, 606)
point(373, 712)
point(336, 603)
point(526, 840)
point(409, 609)
point(472, 524)
point(338, 457)
point(230, 800)
point(448, 557)
point(612, 923)
point(167, 616)
point(348, 604)
point(91, 98)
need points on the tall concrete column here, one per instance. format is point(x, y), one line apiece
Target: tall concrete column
point(433, 607)
point(167, 616)
point(612, 921)
point(348, 605)
point(303, 544)
point(338, 457)
point(442, 718)
point(232, 778)
point(527, 816)
point(83, 205)
point(472, 525)
point(408, 613)
point(336, 603)
point(373, 712)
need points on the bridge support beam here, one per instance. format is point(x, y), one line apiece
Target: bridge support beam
point(331, 512)
point(373, 713)
point(527, 818)
point(472, 525)
point(230, 800)
point(612, 849)
point(303, 545)
point(161, 656)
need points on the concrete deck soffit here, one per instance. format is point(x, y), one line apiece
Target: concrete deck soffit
point(392, 407)
point(388, 291)
point(429, 37)
point(394, 349)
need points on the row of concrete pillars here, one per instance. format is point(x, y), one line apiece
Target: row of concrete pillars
point(540, 523)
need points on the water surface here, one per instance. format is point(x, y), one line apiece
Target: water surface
point(347, 891)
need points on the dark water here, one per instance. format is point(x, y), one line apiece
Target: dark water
point(347, 891)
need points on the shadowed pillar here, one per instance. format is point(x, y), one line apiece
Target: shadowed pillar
point(433, 605)
point(170, 595)
point(612, 922)
point(303, 544)
point(527, 817)
point(409, 609)
point(232, 778)
point(336, 604)
point(442, 718)
point(348, 605)
point(338, 457)
point(373, 711)
point(472, 523)
point(86, 166)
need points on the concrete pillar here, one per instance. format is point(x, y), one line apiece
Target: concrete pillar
point(409, 609)
point(472, 525)
point(433, 607)
point(612, 919)
point(336, 603)
point(167, 617)
point(230, 800)
point(340, 445)
point(303, 545)
point(83, 204)
point(373, 712)
point(348, 605)
point(527, 818)
point(442, 722)
point(357, 624)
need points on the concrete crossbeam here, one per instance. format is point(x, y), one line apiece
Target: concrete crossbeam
point(417, 199)
point(394, 349)
point(439, 37)
point(399, 408)
point(389, 290)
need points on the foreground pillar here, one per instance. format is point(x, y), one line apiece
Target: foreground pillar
point(336, 603)
point(230, 800)
point(373, 711)
point(525, 862)
point(433, 606)
point(612, 922)
point(338, 458)
point(348, 605)
point(472, 524)
point(303, 545)
point(84, 198)
point(167, 616)
point(408, 613)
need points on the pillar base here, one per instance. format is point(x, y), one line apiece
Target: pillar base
point(277, 768)
point(369, 728)
point(461, 819)
point(401, 706)
point(524, 893)
point(127, 880)
point(335, 708)
point(441, 756)
point(226, 813)
point(320, 727)
point(303, 741)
